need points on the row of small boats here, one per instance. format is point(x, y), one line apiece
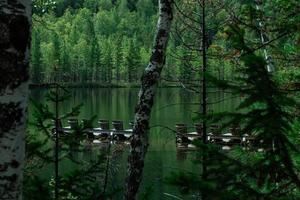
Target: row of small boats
point(102, 132)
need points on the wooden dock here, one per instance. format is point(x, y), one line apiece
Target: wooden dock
point(185, 139)
point(103, 132)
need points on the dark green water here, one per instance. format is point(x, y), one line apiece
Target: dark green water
point(171, 106)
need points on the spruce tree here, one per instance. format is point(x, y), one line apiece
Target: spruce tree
point(185, 66)
point(118, 60)
point(36, 57)
point(56, 68)
point(107, 64)
point(132, 61)
point(64, 63)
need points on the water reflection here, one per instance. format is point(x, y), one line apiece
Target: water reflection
point(171, 106)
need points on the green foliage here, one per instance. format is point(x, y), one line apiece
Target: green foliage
point(186, 68)
point(132, 61)
point(266, 112)
point(36, 56)
point(85, 180)
point(83, 183)
point(184, 181)
point(36, 188)
point(83, 28)
point(91, 41)
point(43, 6)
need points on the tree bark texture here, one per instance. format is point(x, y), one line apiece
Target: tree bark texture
point(264, 37)
point(149, 80)
point(15, 23)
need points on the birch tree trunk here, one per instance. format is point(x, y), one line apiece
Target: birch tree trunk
point(15, 23)
point(149, 80)
point(264, 37)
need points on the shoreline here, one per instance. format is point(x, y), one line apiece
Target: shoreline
point(96, 85)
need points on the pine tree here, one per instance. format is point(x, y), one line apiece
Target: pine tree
point(145, 8)
point(98, 63)
point(95, 53)
point(36, 57)
point(185, 67)
point(132, 61)
point(265, 114)
point(64, 63)
point(122, 7)
point(118, 60)
point(92, 58)
point(56, 68)
point(107, 64)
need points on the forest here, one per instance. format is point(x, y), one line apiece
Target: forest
point(105, 43)
point(149, 99)
point(91, 41)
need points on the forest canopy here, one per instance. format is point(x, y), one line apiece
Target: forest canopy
point(92, 41)
point(109, 41)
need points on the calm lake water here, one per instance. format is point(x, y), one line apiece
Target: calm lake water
point(171, 106)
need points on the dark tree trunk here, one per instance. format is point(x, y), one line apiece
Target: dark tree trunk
point(15, 22)
point(139, 143)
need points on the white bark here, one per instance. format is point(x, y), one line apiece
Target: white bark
point(15, 21)
point(264, 38)
point(139, 143)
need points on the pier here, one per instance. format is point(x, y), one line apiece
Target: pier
point(185, 139)
point(102, 132)
point(115, 131)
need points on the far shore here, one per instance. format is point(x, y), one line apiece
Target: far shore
point(96, 85)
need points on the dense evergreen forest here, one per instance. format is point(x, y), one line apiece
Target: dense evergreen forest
point(92, 41)
point(108, 42)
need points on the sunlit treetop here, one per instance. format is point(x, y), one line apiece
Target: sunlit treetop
point(43, 6)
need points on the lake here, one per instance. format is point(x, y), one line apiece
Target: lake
point(171, 106)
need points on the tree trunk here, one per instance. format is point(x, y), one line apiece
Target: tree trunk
point(15, 23)
point(139, 143)
point(264, 37)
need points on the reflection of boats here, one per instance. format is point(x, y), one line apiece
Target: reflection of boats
point(107, 142)
point(184, 139)
point(183, 136)
point(102, 133)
